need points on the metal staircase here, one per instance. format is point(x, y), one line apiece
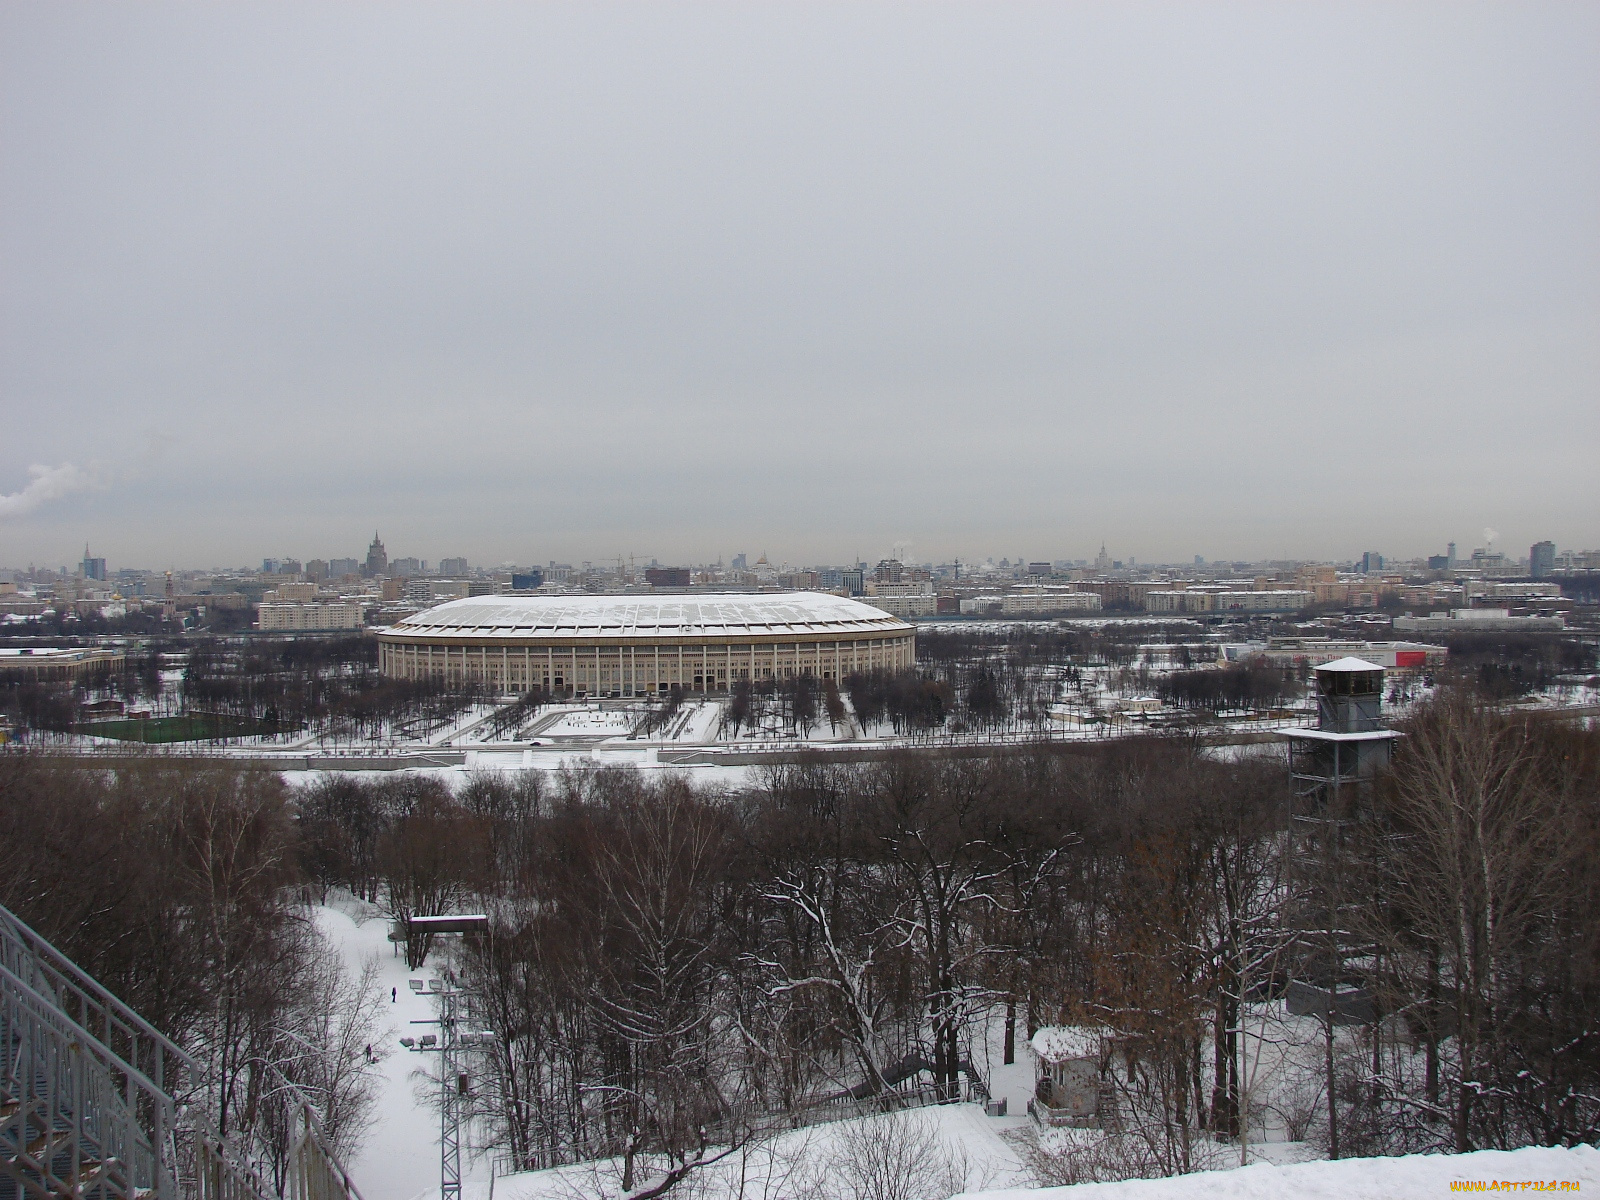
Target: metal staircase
point(89, 1099)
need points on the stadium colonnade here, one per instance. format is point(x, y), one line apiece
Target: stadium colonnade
point(631, 645)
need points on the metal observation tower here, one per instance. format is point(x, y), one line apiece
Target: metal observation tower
point(1332, 771)
point(1350, 744)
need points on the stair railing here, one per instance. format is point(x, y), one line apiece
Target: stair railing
point(87, 1104)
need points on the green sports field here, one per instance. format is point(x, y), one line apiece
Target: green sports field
point(158, 730)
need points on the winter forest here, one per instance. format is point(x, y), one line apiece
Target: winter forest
point(672, 967)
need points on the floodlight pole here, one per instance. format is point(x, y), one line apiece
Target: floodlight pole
point(450, 1097)
point(449, 1089)
point(450, 1079)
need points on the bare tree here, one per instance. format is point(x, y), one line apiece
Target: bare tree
point(1486, 862)
point(657, 868)
point(932, 822)
point(849, 953)
point(429, 856)
point(898, 1156)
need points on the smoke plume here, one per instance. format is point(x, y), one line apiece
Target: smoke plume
point(46, 484)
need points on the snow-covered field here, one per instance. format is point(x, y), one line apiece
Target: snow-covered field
point(1532, 1169)
point(942, 1150)
point(590, 723)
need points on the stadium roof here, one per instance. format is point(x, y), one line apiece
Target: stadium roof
point(798, 614)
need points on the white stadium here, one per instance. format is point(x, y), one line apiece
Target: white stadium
point(633, 645)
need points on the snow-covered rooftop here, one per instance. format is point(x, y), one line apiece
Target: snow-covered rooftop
point(710, 615)
point(51, 653)
point(1058, 1043)
point(1350, 664)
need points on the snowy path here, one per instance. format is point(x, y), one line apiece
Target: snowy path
point(400, 1157)
point(1013, 1083)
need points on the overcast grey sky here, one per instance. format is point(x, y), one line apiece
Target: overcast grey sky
point(534, 281)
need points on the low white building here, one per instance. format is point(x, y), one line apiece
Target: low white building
point(1287, 651)
point(1178, 602)
point(285, 617)
point(1472, 620)
point(1206, 600)
point(1033, 600)
point(1284, 601)
point(288, 593)
point(916, 604)
point(1512, 590)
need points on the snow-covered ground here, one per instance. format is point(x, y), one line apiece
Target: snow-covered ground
point(399, 1160)
point(1534, 1168)
point(954, 1148)
point(590, 723)
point(949, 1148)
point(646, 760)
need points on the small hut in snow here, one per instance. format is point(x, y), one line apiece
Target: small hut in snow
point(1071, 1062)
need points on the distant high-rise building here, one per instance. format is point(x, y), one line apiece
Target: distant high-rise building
point(739, 563)
point(851, 580)
point(452, 566)
point(377, 558)
point(1450, 552)
point(1371, 562)
point(1541, 559)
point(338, 568)
point(95, 568)
point(1102, 561)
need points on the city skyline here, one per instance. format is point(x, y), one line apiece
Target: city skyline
point(1246, 281)
point(901, 552)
